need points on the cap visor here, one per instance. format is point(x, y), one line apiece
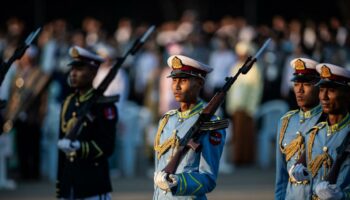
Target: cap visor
point(304, 78)
point(80, 63)
point(328, 83)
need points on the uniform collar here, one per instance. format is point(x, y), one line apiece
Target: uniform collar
point(310, 113)
point(189, 113)
point(338, 126)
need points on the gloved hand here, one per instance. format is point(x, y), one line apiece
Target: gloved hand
point(299, 172)
point(160, 179)
point(326, 191)
point(68, 146)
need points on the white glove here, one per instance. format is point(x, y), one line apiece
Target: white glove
point(326, 191)
point(299, 172)
point(67, 146)
point(160, 179)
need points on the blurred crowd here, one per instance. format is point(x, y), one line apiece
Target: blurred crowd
point(37, 84)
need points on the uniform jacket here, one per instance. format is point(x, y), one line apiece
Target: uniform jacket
point(197, 171)
point(326, 140)
point(88, 174)
point(291, 125)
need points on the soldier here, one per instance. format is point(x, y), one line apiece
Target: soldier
point(327, 139)
point(292, 129)
point(197, 172)
point(87, 175)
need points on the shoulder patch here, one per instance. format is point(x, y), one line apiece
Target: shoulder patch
point(290, 113)
point(109, 113)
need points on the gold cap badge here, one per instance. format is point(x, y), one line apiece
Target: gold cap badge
point(74, 53)
point(325, 72)
point(299, 65)
point(176, 63)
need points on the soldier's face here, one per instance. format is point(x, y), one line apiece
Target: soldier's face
point(334, 100)
point(186, 89)
point(81, 76)
point(306, 95)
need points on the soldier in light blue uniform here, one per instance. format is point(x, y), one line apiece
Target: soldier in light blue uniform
point(292, 129)
point(197, 172)
point(325, 138)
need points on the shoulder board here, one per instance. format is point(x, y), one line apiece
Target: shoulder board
point(170, 112)
point(69, 97)
point(319, 125)
point(290, 113)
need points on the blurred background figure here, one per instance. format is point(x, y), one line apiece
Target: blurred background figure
point(242, 102)
point(25, 112)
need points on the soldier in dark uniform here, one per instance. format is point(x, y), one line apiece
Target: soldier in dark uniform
point(86, 176)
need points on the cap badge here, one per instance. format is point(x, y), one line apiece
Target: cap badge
point(176, 63)
point(299, 65)
point(325, 72)
point(74, 53)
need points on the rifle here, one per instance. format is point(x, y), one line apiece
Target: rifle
point(98, 92)
point(19, 52)
point(343, 153)
point(191, 138)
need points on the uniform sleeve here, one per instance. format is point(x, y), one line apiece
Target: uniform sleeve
point(203, 181)
point(343, 180)
point(103, 141)
point(282, 175)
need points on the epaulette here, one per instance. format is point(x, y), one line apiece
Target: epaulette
point(319, 125)
point(170, 112)
point(289, 113)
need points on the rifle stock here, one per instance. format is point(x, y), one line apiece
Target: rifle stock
point(191, 138)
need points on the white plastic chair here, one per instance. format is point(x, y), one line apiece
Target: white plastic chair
point(269, 114)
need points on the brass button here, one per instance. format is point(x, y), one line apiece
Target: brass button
point(325, 149)
point(74, 114)
point(298, 133)
point(301, 121)
point(77, 104)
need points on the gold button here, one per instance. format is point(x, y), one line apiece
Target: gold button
point(325, 149)
point(301, 121)
point(77, 104)
point(298, 133)
point(74, 114)
point(19, 82)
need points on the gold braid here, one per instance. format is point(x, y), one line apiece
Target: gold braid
point(172, 142)
point(67, 126)
point(324, 158)
point(297, 145)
